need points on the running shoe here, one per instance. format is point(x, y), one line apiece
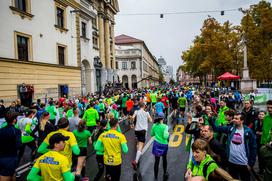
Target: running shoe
point(134, 165)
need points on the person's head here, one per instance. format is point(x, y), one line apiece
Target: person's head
point(42, 105)
point(206, 132)
point(51, 102)
point(159, 117)
point(75, 111)
point(261, 115)
point(1, 102)
point(103, 123)
point(114, 106)
point(198, 109)
point(229, 114)
point(222, 103)
point(11, 117)
point(63, 123)
point(200, 148)
point(269, 106)
point(142, 105)
point(29, 113)
point(45, 115)
point(81, 126)
point(247, 104)
point(208, 109)
point(238, 119)
point(57, 141)
point(113, 123)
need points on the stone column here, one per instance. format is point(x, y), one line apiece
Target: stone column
point(113, 51)
point(108, 49)
point(102, 49)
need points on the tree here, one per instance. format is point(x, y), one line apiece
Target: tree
point(214, 51)
point(257, 28)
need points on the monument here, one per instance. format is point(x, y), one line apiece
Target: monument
point(247, 84)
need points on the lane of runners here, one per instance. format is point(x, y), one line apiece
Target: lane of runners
point(166, 133)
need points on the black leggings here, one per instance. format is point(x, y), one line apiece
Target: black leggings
point(157, 163)
point(100, 163)
point(113, 173)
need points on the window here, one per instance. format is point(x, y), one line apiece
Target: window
point(62, 54)
point(22, 8)
point(94, 23)
point(23, 46)
point(95, 42)
point(116, 65)
point(83, 29)
point(133, 65)
point(21, 5)
point(60, 17)
point(124, 65)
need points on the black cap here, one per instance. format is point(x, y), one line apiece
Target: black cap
point(56, 138)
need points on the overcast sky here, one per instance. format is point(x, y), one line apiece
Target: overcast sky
point(169, 36)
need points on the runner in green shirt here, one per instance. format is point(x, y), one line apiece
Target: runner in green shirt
point(91, 117)
point(182, 101)
point(52, 111)
point(83, 137)
point(160, 145)
point(267, 124)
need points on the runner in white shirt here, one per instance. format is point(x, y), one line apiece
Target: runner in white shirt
point(142, 118)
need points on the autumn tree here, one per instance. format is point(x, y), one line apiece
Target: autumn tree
point(257, 28)
point(215, 51)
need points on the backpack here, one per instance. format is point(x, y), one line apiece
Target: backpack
point(206, 166)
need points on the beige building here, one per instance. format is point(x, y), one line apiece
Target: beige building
point(184, 77)
point(55, 47)
point(136, 66)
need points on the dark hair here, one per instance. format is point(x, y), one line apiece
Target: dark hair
point(198, 108)
point(63, 123)
point(2, 101)
point(230, 112)
point(113, 122)
point(10, 116)
point(242, 117)
point(51, 102)
point(81, 126)
point(269, 102)
point(42, 105)
point(29, 111)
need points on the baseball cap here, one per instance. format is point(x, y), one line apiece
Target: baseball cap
point(114, 106)
point(159, 115)
point(56, 138)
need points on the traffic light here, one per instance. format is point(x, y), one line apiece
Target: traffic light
point(161, 15)
point(222, 13)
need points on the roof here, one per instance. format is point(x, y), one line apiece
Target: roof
point(124, 39)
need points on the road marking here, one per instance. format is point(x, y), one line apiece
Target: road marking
point(22, 166)
point(150, 141)
point(179, 129)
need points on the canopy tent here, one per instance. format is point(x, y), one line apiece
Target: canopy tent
point(228, 76)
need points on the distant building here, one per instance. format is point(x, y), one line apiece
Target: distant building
point(136, 66)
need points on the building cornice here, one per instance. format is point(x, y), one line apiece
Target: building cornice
point(37, 63)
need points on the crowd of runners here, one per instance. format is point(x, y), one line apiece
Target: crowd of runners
point(227, 134)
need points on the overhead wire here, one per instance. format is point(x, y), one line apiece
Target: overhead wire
point(177, 13)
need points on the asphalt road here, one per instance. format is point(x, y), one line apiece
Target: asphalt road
point(177, 160)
